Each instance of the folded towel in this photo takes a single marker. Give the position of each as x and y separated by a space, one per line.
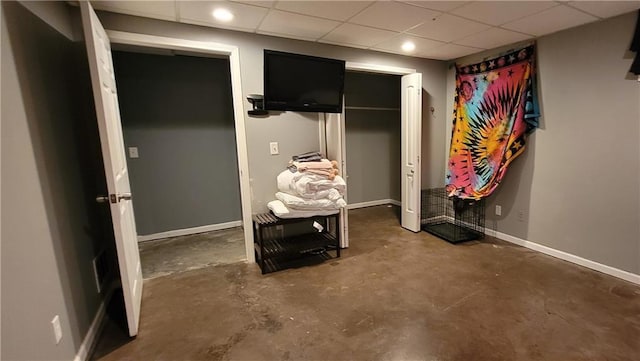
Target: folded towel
280 210
307 157
294 202
309 185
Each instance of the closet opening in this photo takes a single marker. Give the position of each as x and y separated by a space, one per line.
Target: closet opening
179 136
373 140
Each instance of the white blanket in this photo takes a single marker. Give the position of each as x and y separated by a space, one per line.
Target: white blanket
311 186
280 210
294 202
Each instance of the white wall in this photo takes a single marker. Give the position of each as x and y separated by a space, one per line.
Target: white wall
298 132
577 183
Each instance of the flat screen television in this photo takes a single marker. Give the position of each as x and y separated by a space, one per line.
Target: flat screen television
302 83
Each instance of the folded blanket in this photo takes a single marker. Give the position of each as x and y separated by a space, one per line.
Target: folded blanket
324 167
307 157
329 174
280 210
308 185
321 164
294 202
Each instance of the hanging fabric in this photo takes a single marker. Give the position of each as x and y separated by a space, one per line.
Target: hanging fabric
495 109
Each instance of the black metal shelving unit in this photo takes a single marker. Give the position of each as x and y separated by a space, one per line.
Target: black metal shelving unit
276 250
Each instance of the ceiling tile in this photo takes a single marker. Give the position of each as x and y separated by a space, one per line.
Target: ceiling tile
448 28
393 16
438 5
448 52
605 9
492 38
299 26
551 20
394 45
264 4
350 34
500 12
246 17
165 10
337 10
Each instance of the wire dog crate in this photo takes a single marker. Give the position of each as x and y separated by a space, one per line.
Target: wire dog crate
453 219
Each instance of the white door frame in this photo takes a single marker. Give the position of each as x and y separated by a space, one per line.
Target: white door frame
200 47
365 68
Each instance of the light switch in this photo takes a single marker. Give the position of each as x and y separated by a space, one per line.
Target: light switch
273 148
133 152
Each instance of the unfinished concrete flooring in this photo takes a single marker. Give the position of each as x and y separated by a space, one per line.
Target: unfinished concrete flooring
394 295
183 253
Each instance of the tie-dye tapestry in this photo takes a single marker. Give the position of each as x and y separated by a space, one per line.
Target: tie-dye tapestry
495 109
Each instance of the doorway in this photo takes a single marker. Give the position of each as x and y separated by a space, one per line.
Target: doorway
119 197
372 138
333 144
178 127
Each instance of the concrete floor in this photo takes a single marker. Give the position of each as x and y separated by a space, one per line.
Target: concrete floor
394 295
184 253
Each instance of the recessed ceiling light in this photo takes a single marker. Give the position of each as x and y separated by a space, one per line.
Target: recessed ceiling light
408 46
222 14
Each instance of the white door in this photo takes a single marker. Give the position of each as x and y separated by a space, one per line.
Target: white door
411 137
115 165
336 150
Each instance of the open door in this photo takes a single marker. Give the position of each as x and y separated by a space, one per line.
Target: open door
411 139
115 165
336 150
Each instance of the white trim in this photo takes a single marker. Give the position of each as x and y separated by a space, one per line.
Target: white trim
374 68
188 231
159 42
379 202
90 339
627 276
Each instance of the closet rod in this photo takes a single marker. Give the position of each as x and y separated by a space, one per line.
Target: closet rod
369 108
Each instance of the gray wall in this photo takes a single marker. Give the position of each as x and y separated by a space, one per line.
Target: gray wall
298 132
178 111
576 185
372 137
48 238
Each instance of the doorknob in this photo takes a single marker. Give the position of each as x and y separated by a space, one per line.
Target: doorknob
124 196
102 199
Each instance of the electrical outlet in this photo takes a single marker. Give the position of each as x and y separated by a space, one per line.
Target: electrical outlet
133 152
273 148
498 210
57 329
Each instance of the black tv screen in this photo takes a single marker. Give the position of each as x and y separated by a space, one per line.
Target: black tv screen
302 83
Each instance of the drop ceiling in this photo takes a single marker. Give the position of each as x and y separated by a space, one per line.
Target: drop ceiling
441 30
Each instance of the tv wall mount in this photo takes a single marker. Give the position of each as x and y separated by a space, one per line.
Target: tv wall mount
257 100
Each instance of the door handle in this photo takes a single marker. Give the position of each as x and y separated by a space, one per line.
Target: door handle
112 198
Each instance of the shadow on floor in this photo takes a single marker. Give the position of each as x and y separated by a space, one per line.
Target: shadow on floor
115 332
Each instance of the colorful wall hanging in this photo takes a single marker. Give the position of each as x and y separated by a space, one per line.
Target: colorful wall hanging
495 109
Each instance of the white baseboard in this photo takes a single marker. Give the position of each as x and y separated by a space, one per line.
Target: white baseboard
90 339
187 231
373 203
627 276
